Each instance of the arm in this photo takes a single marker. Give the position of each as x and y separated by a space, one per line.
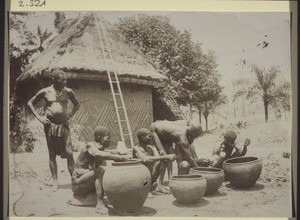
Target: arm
151 159
32 101
102 155
187 152
242 152
157 141
75 102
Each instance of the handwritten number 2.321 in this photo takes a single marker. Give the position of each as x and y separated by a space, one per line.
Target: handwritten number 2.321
32 3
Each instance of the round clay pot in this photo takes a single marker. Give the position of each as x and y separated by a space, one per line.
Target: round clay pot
188 189
242 172
213 176
126 185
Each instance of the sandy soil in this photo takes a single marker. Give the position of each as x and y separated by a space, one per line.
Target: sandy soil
269 197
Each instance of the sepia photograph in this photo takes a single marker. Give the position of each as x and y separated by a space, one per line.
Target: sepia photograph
150 113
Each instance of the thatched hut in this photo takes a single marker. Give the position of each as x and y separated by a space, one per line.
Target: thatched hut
78 51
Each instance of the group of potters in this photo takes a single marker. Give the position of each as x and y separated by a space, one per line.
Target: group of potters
160 145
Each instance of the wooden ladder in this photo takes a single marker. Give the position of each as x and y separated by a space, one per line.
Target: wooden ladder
119 104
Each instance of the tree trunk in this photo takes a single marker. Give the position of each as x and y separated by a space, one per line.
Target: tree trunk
206 113
206 122
200 112
191 112
266 111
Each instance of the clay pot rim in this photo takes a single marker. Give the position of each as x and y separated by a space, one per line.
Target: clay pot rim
187 177
212 170
131 162
228 161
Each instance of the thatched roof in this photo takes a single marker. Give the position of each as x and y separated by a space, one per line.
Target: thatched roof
78 51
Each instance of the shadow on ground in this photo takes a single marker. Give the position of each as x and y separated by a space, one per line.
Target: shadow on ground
255 187
201 203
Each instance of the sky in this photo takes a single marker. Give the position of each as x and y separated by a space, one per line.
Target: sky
233 36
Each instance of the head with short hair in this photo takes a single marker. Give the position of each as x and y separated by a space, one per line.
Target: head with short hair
102 135
59 78
196 129
230 137
144 136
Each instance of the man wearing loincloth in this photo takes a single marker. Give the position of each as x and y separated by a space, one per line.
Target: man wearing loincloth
224 151
55 120
182 133
151 159
89 171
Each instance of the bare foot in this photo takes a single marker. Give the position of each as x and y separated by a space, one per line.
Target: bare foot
101 209
163 190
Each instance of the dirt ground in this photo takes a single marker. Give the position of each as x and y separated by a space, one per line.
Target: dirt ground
269 197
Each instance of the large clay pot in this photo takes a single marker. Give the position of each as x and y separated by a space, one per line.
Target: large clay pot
188 189
242 172
126 185
213 176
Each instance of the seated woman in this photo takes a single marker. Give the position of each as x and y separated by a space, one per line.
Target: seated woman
151 159
225 150
88 172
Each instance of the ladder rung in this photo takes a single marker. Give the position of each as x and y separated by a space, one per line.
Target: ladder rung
114 81
115 93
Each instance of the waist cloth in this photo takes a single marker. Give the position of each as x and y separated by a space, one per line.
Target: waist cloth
58 139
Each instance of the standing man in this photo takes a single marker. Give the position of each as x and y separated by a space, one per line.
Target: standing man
55 120
89 170
225 150
182 133
151 158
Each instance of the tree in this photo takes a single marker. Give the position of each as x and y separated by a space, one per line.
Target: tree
192 75
210 106
23 45
281 97
265 82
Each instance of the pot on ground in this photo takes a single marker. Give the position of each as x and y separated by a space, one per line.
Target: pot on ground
213 176
126 185
188 189
242 172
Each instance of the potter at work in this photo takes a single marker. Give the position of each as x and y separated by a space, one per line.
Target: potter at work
150 157
182 133
88 172
150 113
225 151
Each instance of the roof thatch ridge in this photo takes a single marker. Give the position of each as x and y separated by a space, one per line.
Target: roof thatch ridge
78 47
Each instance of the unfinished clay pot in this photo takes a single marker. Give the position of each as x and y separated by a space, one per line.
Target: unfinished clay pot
188 189
242 172
126 185
213 176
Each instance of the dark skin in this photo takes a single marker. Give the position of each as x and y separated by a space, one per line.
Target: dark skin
180 133
155 163
220 155
88 172
56 99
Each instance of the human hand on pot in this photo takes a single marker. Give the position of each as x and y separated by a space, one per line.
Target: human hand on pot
171 157
126 158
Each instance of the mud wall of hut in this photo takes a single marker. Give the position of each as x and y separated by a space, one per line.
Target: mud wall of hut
97 108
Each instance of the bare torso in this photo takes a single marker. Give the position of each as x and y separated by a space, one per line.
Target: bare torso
171 130
56 105
87 161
